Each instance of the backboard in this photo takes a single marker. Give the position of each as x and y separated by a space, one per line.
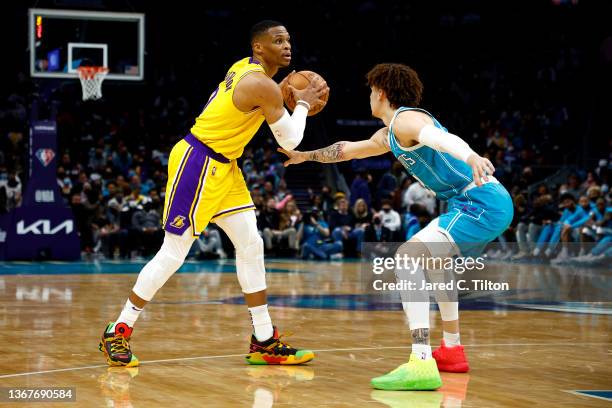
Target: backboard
62 40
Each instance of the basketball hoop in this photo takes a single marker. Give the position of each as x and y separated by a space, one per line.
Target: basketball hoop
91 81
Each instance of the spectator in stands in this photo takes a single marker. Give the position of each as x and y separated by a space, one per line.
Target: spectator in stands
122 159
572 186
572 226
551 231
417 194
282 190
377 232
593 193
106 234
414 220
390 218
598 228
343 227
146 224
327 201
285 235
269 217
313 233
361 214
521 226
208 245
595 221
13 190
82 223
398 195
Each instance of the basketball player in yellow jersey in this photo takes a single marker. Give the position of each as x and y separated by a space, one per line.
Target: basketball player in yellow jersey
205 185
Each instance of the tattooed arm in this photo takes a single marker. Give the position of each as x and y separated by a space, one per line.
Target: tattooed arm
340 151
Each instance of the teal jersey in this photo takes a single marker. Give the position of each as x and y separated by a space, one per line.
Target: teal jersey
439 172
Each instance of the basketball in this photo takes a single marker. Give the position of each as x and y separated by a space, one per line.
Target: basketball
300 80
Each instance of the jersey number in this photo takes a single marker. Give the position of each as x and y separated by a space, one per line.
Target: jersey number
229 80
408 160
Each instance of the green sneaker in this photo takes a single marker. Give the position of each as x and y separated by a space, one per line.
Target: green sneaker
415 375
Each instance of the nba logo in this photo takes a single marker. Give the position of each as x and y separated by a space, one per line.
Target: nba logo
179 222
45 156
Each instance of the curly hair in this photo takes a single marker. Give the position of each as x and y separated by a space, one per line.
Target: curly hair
400 83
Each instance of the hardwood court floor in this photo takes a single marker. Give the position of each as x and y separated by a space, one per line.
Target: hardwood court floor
192 340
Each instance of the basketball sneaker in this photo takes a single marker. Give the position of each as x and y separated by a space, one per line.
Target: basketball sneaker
116 347
274 351
451 359
415 375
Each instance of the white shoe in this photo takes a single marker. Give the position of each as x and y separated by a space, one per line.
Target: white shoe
221 253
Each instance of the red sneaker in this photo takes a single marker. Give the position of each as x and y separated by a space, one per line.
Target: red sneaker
451 359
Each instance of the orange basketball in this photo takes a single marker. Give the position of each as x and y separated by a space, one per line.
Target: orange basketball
300 80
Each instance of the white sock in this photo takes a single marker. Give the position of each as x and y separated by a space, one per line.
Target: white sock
423 351
262 323
451 339
129 314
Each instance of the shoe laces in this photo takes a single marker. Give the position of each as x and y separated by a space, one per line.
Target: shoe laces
282 347
119 345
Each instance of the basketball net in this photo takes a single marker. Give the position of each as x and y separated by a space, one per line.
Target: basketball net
91 81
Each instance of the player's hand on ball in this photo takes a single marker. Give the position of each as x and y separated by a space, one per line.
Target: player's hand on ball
313 92
307 86
282 84
295 157
481 168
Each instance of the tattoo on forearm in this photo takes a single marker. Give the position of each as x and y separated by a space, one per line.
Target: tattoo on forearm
329 154
420 336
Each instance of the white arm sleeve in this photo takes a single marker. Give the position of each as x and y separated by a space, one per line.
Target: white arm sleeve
446 142
289 130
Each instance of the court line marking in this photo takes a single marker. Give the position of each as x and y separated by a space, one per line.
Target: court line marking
582 393
318 351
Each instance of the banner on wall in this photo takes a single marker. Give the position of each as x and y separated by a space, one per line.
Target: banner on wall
43 227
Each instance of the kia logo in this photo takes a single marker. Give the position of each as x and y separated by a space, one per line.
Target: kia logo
43 227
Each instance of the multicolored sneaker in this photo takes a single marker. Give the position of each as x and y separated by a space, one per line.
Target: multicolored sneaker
415 375
451 359
274 351
116 347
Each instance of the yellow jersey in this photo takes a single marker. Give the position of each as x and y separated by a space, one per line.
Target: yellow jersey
223 127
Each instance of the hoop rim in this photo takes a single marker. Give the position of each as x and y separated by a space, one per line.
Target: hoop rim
88 72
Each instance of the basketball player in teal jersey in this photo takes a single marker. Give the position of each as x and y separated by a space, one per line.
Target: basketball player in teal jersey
479 208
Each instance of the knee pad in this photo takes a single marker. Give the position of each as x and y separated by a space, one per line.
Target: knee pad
158 270
242 230
250 265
